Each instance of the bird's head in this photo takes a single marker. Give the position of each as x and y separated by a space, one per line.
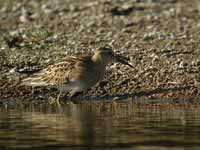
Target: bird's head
107 55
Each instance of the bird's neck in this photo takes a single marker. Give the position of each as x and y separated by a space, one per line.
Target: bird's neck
98 61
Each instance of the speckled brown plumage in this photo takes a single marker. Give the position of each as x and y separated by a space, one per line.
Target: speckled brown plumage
75 74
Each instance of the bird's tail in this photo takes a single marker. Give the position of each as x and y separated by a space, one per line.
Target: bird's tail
36 79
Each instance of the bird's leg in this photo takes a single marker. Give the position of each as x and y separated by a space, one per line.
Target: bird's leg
71 95
58 99
74 94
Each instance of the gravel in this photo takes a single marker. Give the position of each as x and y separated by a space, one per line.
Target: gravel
161 38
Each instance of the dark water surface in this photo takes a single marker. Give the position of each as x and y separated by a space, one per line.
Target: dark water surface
104 125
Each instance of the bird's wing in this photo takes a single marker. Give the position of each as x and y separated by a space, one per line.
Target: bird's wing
56 74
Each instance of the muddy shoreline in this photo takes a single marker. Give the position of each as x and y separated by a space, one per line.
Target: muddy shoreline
161 38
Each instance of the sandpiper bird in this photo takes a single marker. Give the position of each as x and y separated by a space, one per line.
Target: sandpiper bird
75 74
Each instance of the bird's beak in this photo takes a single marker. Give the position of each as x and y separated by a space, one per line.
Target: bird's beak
123 60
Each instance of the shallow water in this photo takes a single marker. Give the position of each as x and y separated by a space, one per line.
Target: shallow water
102 125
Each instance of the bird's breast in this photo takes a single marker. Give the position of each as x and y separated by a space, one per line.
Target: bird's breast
92 77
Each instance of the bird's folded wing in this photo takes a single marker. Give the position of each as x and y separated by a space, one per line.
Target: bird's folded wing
56 74
61 73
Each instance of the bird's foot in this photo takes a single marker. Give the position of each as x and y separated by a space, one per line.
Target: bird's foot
73 97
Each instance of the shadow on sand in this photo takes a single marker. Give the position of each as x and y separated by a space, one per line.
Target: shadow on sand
137 95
